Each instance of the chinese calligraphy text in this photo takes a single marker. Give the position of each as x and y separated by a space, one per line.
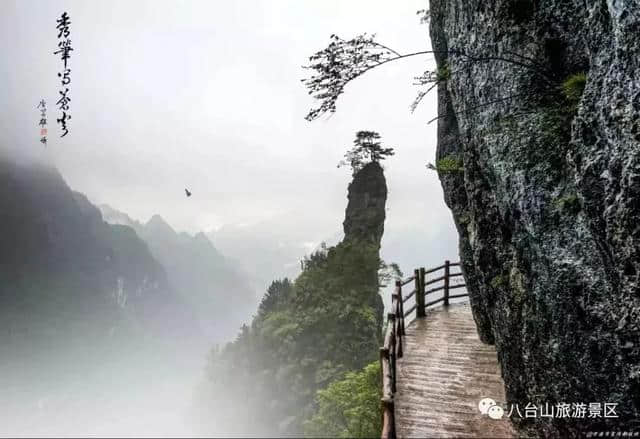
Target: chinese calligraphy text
64 50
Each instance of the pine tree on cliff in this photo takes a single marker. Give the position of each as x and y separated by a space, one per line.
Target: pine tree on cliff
367 149
344 60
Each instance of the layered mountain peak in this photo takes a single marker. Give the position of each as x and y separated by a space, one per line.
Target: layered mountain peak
114 216
200 236
158 224
213 286
63 260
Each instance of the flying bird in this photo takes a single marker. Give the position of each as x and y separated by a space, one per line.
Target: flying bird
186 191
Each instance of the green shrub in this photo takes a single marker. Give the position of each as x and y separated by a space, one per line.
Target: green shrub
573 87
349 407
443 73
568 203
464 218
449 164
498 282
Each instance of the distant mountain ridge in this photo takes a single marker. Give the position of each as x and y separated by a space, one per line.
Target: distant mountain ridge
91 330
269 249
215 288
63 270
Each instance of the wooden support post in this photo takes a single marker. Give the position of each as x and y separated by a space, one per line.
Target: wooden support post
401 302
395 299
386 406
385 371
416 283
446 283
392 351
420 310
388 421
399 337
382 386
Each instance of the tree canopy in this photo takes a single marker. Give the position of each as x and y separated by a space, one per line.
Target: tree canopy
306 335
343 60
349 407
366 149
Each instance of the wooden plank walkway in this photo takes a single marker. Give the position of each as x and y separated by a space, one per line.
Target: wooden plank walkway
443 375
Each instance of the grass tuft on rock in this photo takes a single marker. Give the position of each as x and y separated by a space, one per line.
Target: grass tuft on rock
573 87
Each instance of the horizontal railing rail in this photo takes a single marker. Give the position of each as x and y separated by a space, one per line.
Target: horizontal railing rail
406 281
408 296
392 348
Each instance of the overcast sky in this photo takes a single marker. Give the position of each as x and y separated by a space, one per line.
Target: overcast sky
207 95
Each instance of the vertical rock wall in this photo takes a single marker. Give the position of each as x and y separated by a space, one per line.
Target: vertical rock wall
546 197
364 226
365 213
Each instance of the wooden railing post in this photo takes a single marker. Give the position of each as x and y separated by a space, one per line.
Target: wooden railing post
420 311
446 283
397 331
392 351
401 303
387 409
416 283
384 355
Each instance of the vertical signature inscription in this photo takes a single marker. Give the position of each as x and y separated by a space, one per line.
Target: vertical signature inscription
42 106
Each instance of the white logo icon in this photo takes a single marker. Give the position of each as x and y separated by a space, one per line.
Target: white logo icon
488 406
485 404
495 412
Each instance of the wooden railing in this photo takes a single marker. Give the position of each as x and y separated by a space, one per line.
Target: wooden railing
395 332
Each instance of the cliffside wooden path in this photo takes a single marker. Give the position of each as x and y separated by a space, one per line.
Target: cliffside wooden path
435 370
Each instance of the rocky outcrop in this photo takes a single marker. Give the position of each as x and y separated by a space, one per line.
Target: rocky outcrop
363 229
365 214
543 178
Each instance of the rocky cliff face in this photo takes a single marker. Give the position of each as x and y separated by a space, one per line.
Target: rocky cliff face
365 214
543 179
